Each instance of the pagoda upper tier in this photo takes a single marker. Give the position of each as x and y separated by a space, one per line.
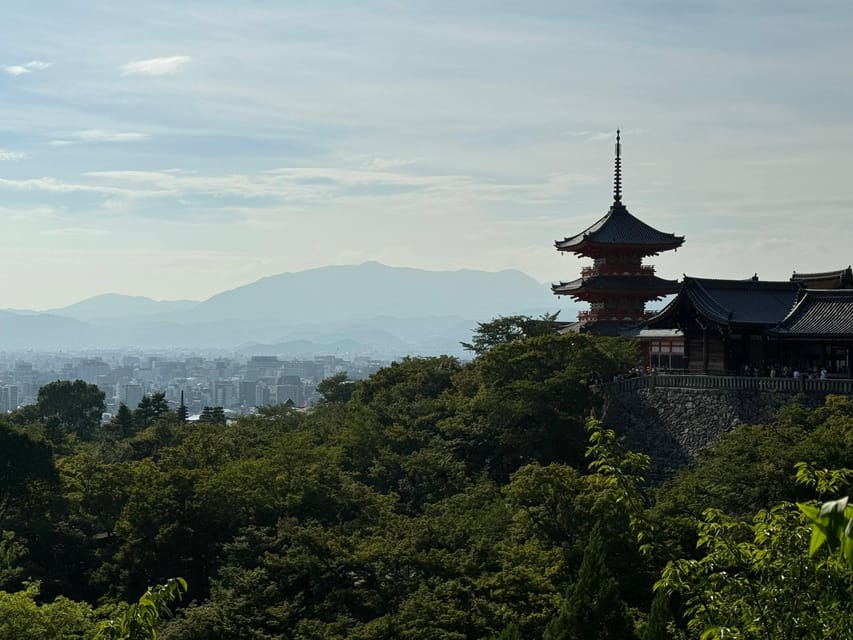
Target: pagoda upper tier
619 231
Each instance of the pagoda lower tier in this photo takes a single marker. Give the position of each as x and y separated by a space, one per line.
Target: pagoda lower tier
614 297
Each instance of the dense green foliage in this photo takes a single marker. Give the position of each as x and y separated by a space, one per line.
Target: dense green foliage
435 500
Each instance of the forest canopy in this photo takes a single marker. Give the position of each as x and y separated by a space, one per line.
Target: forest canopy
435 500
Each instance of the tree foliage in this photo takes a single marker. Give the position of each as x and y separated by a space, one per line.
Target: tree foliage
212 415
508 329
70 407
139 620
436 499
26 470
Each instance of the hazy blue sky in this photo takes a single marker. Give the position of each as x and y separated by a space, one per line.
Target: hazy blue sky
176 149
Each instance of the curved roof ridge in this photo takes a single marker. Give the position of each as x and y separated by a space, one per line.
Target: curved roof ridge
706 300
815 274
799 302
820 312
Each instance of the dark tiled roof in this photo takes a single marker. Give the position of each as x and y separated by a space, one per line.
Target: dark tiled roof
612 328
639 284
841 279
619 227
821 312
731 302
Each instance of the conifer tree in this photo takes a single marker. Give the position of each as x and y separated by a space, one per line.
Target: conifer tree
510 632
659 617
122 424
592 608
151 408
213 415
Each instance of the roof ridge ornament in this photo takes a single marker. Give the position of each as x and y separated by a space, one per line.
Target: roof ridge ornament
617 179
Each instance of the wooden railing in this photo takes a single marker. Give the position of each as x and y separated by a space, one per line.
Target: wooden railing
618 270
736 383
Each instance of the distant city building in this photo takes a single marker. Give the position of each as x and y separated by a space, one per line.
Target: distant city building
8 398
239 385
289 388
90 369
130 394
262 367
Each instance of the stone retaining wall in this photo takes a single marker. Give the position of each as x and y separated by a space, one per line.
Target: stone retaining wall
672 425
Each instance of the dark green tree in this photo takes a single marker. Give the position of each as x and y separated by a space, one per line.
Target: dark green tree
337 388
212 415
510 632
593 607
122 425
660 616
150 409
528 400
509 328
70 407
26 470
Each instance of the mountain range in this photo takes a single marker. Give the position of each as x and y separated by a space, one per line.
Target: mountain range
367 309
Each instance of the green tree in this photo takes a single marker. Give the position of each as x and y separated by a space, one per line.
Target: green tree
26 471
139 620
756 580
593 607
150 409
528 400
122 425
12 552
510 632
509 328
336 388
22 617
70 407
660 618
212 415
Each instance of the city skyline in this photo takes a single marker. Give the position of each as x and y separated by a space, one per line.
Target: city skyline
176 151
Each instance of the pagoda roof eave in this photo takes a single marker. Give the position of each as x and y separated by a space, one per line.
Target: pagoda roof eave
619 228
590 248
646 286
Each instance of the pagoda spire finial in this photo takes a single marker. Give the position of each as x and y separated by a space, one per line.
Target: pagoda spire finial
617 180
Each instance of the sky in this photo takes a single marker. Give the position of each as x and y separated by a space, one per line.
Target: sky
178 149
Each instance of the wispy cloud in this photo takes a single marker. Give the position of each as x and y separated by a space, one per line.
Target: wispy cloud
73 232
11 156
377 163
53 185
27 67
154 66
103 135
29 214
60 143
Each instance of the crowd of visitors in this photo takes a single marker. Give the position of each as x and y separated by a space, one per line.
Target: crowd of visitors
784 371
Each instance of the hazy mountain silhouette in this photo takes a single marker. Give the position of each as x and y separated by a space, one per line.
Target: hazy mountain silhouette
372 289
46 331
116 306
368 308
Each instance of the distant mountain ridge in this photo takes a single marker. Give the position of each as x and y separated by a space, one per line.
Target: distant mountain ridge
371 308
117 305
373 289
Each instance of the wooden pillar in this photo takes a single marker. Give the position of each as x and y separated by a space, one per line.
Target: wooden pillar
705 350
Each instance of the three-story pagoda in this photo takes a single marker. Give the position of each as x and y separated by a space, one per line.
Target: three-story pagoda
618 285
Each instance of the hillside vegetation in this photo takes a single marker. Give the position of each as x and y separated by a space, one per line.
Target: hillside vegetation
434 501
